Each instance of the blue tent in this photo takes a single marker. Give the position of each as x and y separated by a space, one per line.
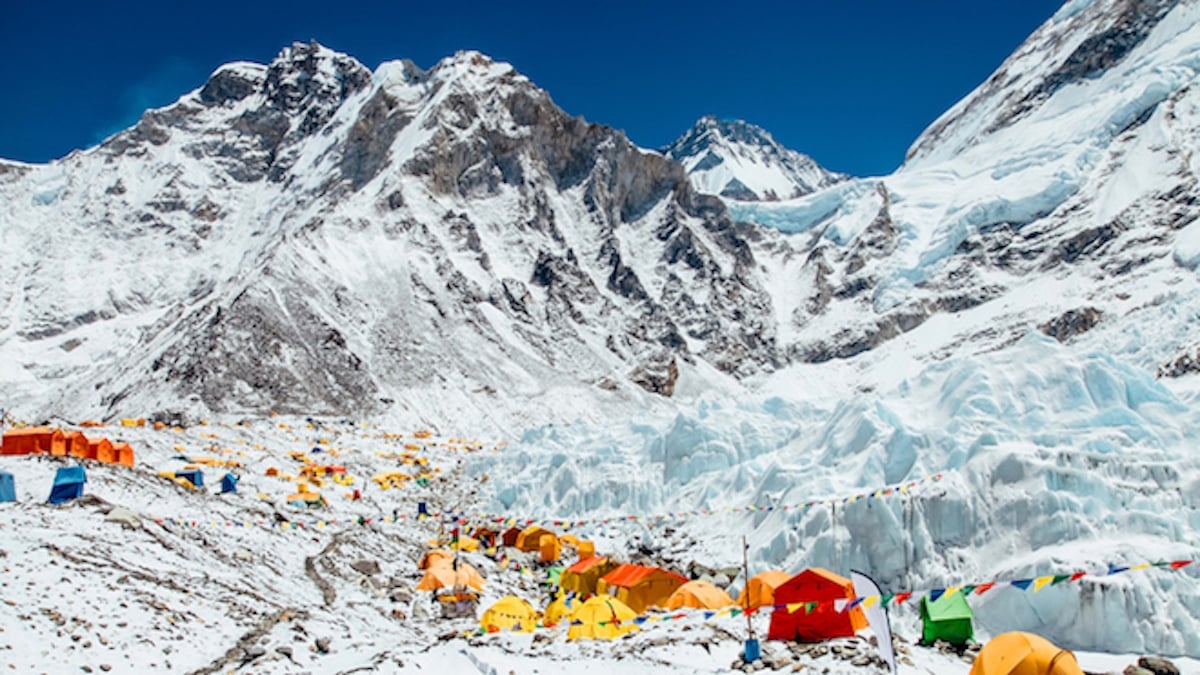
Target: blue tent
8 489
68 484
193 476
229 483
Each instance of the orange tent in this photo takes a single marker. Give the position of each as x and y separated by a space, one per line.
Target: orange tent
76 443
124 453
434 556
1024 654
33 440
823 621
700 595
530 538
583 576
639 586
101 449
587 549
448 574
760 590
549 548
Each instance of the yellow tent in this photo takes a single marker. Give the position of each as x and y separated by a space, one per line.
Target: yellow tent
432 557
1024 654
466 543
601 618
586 549
698 594
760 590
559 609
569 540
510 613
530 538
443 574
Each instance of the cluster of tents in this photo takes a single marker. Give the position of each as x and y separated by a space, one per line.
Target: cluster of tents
57 442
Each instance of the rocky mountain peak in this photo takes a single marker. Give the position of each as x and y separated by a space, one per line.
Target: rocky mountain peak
738 160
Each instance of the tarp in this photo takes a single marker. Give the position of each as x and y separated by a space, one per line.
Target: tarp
530 539
229 483
823 621
68 484
448 574
639 586
601 618
1024 654
124 516
760 589
583 576
8 487
509 613
698 594
948 618
193 476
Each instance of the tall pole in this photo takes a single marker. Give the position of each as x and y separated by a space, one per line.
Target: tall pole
746 592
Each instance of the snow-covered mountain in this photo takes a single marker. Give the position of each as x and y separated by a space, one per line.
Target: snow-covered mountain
1016 307
739 161
309 235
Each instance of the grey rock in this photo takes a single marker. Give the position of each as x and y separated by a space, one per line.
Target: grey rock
1158 666
1135 670
367 567
254 652
322 645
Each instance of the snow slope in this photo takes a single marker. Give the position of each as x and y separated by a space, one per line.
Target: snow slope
739 161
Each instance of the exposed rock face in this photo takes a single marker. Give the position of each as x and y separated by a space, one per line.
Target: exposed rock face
1071 323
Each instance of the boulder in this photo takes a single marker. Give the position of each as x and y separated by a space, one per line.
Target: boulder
1158 666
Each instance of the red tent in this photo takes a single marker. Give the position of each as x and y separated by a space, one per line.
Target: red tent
510 536
824 621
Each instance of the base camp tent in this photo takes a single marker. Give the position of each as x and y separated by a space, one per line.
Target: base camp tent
947 618
8 488
509 538
229 483
560 609
760 590
530 539
700 595
432 556
68 484
193 476
819 621
33 440
450 574
76 444
101 449
124 453
549 548
583 576
601 618
509 613
639 586
1024 654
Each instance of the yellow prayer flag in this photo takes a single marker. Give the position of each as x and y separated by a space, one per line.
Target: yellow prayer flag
951 591
794 606
869 601
1040 582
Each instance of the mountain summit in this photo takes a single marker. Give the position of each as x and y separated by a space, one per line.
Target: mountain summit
738 160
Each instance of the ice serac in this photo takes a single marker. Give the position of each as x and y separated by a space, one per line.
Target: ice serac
312 236
740 161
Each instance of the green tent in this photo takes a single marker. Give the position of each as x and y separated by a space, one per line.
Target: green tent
554 575
947 618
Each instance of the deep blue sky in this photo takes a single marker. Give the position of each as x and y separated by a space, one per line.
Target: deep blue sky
850 83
